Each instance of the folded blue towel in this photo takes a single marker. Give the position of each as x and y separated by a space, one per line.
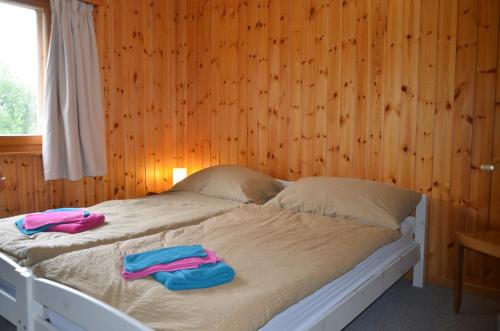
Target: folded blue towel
139 261
20 225
206 275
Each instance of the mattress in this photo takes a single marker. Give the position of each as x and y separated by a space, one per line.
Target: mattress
301 314
274 252
306 311
125 219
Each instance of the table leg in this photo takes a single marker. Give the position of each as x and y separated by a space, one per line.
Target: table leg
458 277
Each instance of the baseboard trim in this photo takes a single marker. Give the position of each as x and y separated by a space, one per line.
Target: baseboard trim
468 287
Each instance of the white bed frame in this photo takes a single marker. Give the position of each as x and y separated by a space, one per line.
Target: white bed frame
15 303
35 300
91 314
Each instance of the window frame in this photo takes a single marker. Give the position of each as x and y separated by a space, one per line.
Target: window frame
32 144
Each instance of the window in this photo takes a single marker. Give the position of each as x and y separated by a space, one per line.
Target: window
24 38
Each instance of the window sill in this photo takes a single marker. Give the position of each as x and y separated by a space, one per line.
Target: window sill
21 145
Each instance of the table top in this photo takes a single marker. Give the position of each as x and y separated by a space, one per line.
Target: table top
487 242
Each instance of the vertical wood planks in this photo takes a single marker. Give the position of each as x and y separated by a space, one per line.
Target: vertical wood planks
392 91
426 106
10 196
348 87
363 105
409 92
483 120
253 24
205 83
404 91
169 118
309 15
273 87
492 267
495 178
465 73
214 81
284 105
137 100
191 89
443 122
261 80
375 116
484 104
232 81
160 100
117 80
333 89
321 35
150 63
242 70
294 136
426 95
25 175
224 63
130 29
181 80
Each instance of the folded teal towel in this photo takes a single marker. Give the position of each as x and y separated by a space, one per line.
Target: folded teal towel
206 275
139 261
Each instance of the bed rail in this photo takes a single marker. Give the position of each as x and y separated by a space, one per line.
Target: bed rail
8 279
79 308
15 286
421 239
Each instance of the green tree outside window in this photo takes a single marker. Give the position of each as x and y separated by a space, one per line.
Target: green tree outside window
17 105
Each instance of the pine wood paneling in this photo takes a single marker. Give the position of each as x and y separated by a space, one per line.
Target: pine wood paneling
443 122
347 88
375 115
139 63
262 84
284 103
397 91
363 77
409 93
405 92
309 13
392 91
242 68
482 132
296 35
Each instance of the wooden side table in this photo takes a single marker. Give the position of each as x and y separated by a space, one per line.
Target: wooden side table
487 242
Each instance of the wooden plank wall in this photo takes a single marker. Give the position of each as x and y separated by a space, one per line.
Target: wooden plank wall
142 53
401 91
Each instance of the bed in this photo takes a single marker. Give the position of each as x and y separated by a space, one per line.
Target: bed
125 219
330 306
209 192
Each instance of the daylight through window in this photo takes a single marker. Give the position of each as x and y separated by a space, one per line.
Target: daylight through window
22 65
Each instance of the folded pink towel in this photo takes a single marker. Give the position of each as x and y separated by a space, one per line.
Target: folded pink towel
187 263
33 221
84 224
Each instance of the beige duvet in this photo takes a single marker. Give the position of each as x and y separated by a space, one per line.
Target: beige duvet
125 219
279 257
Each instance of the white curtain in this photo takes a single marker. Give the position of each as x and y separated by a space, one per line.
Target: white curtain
74 128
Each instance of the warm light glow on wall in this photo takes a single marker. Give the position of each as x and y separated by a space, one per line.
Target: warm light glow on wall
179 174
